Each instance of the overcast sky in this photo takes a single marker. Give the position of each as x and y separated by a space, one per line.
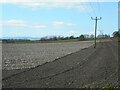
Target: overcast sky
38 19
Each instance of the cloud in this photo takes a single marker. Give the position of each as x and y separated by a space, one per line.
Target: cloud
58 24
15 23
21 24
83 8
38 1
71 24
62 24
35 25
74 32
77 5
49 4
38 26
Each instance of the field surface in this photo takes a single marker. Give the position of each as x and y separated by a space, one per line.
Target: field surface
89 67
27 55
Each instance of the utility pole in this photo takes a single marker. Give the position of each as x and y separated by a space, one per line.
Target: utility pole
96 19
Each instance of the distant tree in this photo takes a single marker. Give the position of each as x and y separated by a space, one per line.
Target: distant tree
106 36
71 37
99 36
55 38
77 37
82 38
86 35
91 36
60 37
66 38
42 39
116 34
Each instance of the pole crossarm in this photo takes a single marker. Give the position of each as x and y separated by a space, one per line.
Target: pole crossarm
96 18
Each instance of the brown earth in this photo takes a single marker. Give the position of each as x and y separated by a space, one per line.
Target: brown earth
89 67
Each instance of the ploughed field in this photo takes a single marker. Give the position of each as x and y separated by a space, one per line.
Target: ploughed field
28 55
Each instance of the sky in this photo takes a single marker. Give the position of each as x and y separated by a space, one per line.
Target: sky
20 18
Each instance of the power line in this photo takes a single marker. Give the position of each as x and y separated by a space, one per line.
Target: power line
88 12
99 9
100 13
94 12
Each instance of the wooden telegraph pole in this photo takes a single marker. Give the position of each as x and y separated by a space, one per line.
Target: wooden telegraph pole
96 19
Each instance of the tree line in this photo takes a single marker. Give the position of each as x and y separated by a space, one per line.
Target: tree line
81 37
